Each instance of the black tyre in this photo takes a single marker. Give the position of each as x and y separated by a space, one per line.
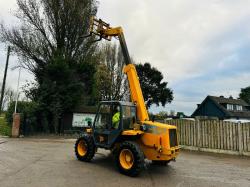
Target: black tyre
160 162
85 148
129 158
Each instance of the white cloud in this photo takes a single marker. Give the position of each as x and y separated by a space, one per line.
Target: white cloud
188 40
8 8
173 35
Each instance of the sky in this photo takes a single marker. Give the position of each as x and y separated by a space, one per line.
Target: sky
201 47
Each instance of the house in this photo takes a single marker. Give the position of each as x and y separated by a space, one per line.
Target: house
223 108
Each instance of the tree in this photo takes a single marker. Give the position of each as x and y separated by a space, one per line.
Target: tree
163 113
50 29
172 113
111 82
245 94
50 43
154 90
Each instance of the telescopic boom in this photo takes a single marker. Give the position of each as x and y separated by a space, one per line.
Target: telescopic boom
104 31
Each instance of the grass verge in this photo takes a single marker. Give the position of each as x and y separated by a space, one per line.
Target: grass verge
5 129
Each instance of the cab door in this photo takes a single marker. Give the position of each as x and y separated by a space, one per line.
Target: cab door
104 132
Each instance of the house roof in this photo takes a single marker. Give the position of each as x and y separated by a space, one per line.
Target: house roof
219 101
232 113
239 114
223 100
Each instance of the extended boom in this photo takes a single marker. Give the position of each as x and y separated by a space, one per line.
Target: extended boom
103 30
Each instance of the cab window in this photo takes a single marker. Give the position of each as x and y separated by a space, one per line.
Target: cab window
103 118
128 116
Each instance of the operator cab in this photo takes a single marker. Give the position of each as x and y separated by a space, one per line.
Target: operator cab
111 119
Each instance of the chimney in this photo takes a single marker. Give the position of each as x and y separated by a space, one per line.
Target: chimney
198 105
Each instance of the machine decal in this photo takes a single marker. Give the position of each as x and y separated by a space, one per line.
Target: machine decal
155 129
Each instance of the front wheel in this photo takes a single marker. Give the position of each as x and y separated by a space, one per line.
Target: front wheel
85 148
129 158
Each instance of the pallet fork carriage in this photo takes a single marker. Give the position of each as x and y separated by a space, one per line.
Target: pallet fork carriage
134 138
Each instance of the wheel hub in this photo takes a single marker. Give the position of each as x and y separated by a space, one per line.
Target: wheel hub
126 159
82 148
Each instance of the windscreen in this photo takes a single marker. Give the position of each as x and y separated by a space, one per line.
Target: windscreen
104 117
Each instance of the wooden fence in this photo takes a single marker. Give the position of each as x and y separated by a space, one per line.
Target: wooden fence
213 135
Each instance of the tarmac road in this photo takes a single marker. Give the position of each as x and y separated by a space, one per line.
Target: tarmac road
51 162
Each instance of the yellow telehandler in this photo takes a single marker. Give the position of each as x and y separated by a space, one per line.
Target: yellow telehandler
124 127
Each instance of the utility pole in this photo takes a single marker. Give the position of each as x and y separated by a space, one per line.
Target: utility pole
4 78
17 89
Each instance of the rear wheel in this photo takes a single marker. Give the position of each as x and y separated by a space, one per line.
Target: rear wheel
85 148
129 158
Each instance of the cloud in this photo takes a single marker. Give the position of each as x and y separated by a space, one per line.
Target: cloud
198 45
8 9
201 47
173 35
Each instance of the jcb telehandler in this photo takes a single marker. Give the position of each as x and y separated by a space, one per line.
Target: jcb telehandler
133 137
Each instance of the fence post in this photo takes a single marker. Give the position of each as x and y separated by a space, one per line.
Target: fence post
197 124
240 138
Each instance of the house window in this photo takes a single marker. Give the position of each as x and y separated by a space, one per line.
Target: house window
239 107
230 107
